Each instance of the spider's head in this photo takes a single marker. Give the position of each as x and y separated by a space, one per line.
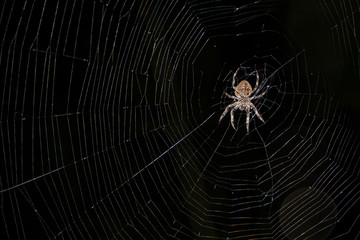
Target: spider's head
244 88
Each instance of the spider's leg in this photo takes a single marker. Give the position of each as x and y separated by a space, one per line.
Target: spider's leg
238 91
229 96
232 117
233 82
258 96
226 110
257 81
257 113
247 121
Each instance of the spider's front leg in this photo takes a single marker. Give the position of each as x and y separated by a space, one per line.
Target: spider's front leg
247 121
226 110
232 118
256 112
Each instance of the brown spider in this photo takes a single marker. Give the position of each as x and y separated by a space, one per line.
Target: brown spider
242 100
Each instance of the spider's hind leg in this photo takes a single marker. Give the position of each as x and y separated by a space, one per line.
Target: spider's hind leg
257 81
233 82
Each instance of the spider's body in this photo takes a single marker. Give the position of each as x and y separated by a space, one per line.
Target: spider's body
242 100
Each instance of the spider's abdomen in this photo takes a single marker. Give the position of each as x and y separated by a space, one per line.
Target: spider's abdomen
244 88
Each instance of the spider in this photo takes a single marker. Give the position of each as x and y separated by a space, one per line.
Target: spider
242 100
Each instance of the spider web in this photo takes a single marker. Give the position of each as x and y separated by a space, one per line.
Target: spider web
110 127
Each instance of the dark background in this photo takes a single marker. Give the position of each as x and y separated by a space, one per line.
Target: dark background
110 120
